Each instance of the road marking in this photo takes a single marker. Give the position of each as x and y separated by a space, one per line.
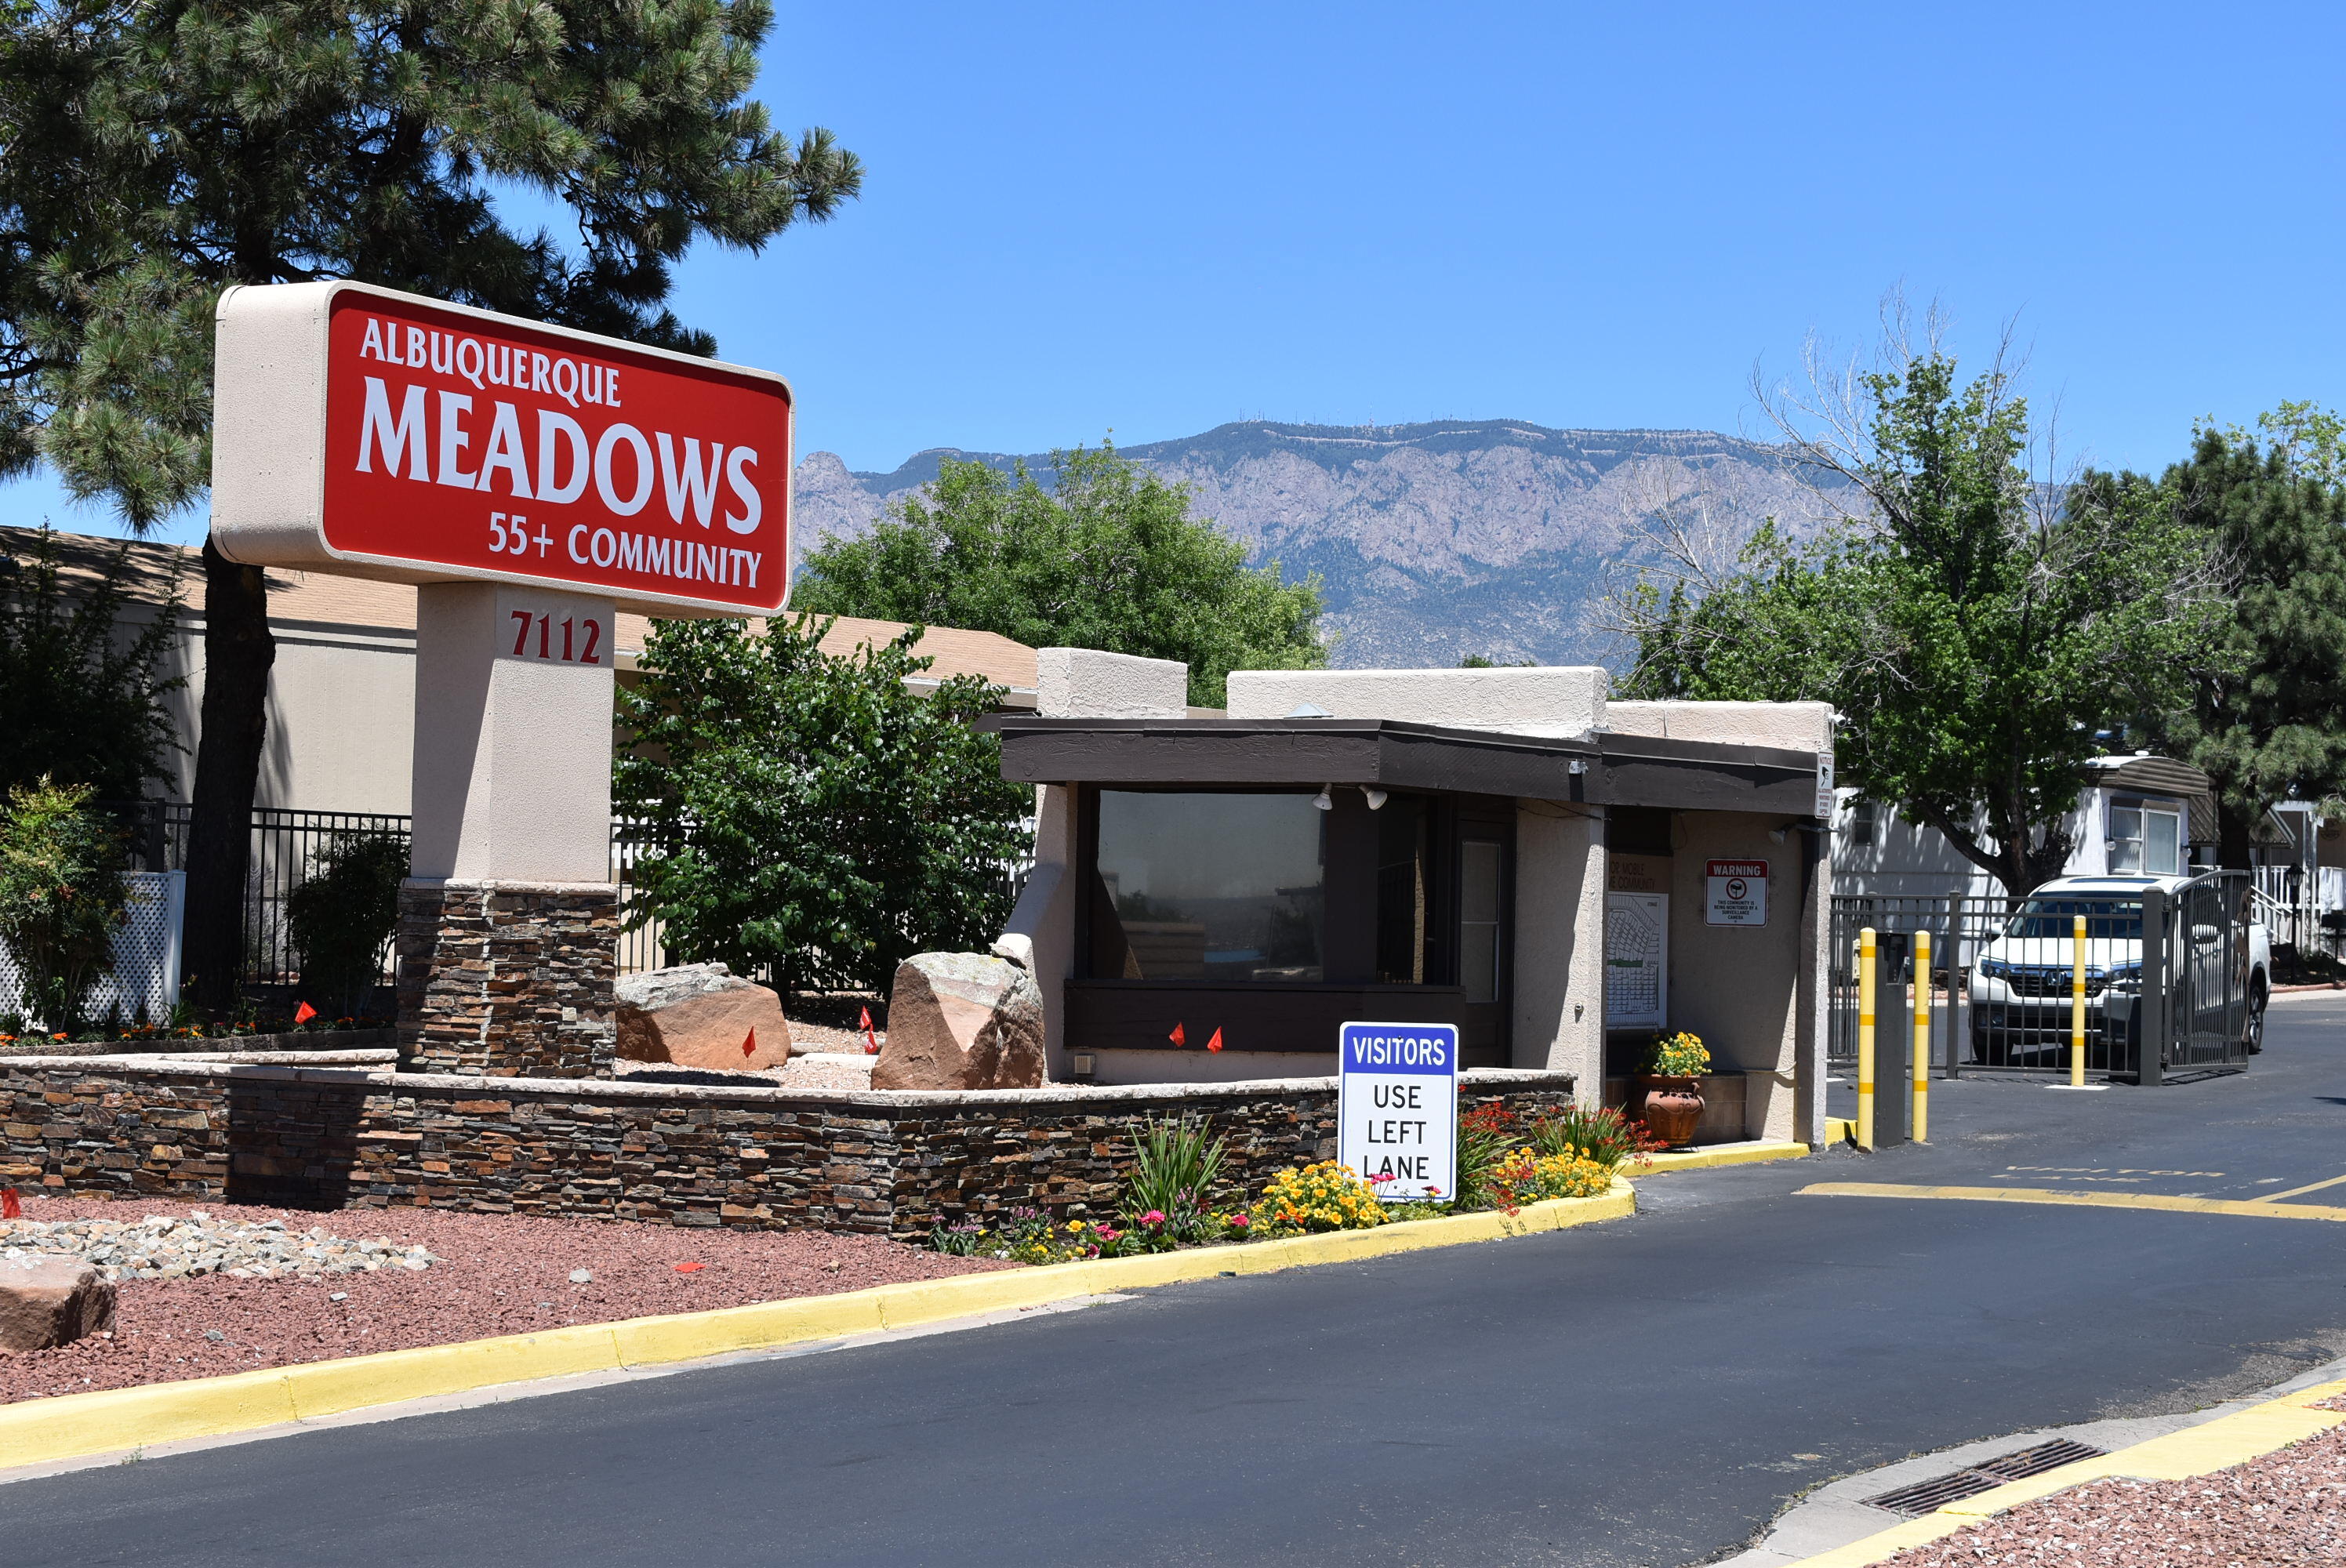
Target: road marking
2310 1186
2260 1207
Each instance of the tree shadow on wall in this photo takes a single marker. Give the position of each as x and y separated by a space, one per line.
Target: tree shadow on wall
293 1146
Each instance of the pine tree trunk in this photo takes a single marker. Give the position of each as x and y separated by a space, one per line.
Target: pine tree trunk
2234 830
239 650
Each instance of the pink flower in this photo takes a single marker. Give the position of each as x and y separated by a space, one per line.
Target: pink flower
1154 1216
1240 1221
1432 1192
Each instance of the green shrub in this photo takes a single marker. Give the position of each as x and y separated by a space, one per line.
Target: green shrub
1599 1133
1173 1162
62 896
340 917
1487 1136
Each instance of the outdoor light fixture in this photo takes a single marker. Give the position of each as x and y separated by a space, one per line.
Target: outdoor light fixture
1377 798
1082 1065
1325 802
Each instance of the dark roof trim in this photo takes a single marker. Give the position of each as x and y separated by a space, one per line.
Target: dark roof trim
1600 769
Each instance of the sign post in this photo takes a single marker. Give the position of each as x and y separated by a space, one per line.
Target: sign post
1397 1107
532 483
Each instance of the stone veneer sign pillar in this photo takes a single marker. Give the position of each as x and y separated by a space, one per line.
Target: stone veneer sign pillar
532 482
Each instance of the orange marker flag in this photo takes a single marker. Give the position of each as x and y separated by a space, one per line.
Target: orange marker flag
871 1041
1216 1042
303 1013
11 1207
1179 1037
749 1041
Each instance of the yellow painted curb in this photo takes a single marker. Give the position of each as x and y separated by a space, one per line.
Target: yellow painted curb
2202 1450
67 1426
1717 1155
2257 1208
1840 1130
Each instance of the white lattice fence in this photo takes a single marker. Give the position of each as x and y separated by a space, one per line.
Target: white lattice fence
145 955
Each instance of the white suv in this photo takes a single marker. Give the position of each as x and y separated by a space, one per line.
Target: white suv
2020 985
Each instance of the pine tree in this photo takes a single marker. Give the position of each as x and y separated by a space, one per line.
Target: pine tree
2273 716
152 154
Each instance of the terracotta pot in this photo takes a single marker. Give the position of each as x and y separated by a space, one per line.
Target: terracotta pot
1672 1107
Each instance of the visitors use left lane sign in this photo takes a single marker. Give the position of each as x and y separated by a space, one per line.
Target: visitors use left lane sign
1397 1107
370 432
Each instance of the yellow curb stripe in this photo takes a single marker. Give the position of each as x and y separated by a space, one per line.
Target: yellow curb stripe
2202 1450
67 1426
2256 1208
2298 1191
1718 1155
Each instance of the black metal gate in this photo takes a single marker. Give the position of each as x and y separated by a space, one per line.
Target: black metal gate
2199 1016
2166 985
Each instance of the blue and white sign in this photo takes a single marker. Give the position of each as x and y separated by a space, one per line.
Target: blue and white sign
1397 1107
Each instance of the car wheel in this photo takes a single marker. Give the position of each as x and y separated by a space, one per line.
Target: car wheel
2256 1037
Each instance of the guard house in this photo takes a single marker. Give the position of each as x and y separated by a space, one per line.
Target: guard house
1560 875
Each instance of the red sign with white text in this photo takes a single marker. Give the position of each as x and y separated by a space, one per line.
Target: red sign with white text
488 447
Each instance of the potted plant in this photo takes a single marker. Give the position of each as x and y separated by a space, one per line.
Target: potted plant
1672 1083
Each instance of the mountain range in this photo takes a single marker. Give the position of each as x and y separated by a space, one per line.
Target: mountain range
1433 541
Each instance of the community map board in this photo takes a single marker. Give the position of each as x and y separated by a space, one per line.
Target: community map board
1397 1107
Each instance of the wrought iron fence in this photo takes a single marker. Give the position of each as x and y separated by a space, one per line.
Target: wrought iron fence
285 845
2198 1012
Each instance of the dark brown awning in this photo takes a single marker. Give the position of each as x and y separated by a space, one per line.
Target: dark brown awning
1599 768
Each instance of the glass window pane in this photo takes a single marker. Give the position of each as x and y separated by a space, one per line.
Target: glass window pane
1478 905
1404 879
2163 846
1209 887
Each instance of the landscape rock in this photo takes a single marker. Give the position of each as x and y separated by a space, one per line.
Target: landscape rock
962 1020
48 1299
697 1015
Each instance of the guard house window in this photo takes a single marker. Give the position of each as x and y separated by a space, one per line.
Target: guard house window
1479 864
2145 836
1220 887
1860 822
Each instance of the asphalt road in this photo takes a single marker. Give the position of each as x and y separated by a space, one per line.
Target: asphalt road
1649 1392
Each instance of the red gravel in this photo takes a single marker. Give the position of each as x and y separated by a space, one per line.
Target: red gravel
2285 1508
501 1273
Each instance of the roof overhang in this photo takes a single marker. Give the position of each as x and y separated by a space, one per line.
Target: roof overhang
1599 768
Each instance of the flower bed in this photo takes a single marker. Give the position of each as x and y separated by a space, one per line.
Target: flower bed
1504 1160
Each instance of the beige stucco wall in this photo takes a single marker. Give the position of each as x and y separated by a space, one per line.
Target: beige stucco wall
1738 987
1559 968
1563 701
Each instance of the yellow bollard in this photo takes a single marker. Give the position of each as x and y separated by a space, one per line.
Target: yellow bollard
1922 1036
1865 956
2077 1006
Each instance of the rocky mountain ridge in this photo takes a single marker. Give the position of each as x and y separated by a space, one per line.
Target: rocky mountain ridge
1435 540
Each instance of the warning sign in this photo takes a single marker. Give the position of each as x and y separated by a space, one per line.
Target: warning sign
1734 892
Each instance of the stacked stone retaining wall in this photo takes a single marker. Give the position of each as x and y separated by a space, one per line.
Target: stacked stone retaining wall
361 1135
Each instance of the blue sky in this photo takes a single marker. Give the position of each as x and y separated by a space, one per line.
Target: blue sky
1155 220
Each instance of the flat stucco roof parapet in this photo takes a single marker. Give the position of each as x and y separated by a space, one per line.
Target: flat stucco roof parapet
1793 726
1557 701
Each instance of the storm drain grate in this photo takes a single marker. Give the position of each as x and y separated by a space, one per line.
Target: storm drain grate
1925 1496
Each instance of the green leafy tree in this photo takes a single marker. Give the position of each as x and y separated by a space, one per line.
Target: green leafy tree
62 896
153 155
2270 716
1973 631
812 813
1108 558
342 916
75 703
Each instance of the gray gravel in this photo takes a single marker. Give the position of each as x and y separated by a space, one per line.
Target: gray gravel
167 1246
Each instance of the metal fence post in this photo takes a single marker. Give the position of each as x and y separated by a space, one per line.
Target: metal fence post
2156 986
1958 993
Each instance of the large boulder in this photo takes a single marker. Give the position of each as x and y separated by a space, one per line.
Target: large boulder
700 1015
50 1298
962 1020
